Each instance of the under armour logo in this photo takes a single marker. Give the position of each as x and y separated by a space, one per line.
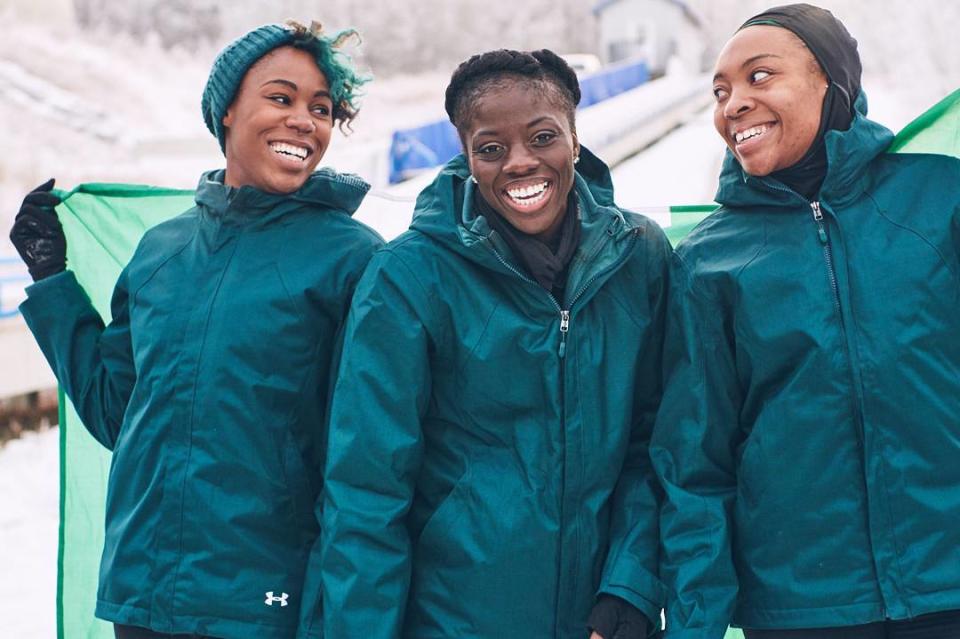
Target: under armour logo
270 598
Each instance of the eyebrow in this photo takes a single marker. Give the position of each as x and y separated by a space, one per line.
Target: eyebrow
288 83
748 62
531 123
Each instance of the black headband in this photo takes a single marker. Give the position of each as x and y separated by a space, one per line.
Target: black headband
828 40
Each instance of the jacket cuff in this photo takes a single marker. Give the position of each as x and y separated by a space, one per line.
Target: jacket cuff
54 281
639 587
52 297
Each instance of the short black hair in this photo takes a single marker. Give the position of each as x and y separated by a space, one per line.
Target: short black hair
495 69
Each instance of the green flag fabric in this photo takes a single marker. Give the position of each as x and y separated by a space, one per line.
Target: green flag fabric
936 131
104 222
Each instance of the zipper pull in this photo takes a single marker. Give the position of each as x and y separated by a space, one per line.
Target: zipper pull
564 329
818 217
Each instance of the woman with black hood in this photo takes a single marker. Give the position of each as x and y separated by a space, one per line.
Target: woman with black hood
809 433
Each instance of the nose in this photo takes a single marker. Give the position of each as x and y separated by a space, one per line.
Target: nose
301 122
520 160
739 102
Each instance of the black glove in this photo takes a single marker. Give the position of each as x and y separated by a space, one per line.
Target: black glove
614 618
37 234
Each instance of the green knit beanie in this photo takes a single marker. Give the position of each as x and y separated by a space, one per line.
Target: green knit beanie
237 57
229 68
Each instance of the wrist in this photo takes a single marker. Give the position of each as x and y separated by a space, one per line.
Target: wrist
42 271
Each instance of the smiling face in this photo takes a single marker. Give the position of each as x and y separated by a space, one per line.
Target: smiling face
279 125
521 147
769 90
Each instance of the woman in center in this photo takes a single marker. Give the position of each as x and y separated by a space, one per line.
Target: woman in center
487 471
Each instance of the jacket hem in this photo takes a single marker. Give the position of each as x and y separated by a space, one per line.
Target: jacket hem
790 619
761 619
130 615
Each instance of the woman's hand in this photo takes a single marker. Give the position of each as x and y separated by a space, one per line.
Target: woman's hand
37 234
614 618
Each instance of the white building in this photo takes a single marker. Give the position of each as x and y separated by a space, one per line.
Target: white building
659 32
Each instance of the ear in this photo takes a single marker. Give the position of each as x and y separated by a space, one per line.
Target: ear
228 118
465 151
576 143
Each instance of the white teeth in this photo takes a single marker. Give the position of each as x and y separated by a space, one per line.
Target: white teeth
289 149
749 133
527 191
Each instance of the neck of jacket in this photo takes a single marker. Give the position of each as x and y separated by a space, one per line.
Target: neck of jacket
247 205
849 153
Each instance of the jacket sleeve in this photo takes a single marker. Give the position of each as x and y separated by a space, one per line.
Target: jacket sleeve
355 262
374 454
693 452
630 571
93 363
955 228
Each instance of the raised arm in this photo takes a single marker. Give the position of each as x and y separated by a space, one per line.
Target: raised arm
92 362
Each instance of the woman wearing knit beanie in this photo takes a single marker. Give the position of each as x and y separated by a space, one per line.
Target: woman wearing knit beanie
210 383
809 433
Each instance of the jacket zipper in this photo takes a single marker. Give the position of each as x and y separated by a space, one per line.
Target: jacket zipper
565 312
828 258
564 329
857 412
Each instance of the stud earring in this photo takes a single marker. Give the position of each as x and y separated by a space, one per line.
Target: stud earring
473 179
576 159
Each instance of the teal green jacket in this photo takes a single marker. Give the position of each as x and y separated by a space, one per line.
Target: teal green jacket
487 472
210 386
809 436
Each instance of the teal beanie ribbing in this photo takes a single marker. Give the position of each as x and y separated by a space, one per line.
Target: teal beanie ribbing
229 68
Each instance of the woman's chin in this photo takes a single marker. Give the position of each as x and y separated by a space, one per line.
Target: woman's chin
755 168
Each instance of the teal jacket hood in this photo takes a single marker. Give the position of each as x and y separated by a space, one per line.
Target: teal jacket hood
848 154
444 212
324 189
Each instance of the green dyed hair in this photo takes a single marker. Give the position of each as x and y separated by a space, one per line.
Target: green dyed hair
344 80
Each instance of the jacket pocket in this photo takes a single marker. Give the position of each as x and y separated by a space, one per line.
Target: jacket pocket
437 535
751 482
297 477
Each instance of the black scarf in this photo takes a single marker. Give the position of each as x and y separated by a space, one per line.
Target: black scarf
546 264
836 52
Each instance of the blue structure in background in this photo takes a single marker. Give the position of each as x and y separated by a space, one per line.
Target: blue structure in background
423 147
412 150
17 280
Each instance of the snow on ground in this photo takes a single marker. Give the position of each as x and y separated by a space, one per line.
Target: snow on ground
29 520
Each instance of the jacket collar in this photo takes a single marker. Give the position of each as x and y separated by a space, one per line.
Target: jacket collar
324 189
848 155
